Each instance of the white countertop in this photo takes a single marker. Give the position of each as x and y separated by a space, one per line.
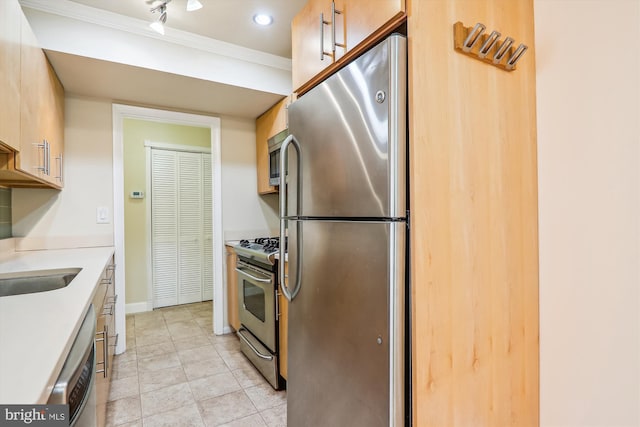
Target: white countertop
37 330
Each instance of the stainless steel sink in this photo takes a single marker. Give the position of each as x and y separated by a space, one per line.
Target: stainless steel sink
29 282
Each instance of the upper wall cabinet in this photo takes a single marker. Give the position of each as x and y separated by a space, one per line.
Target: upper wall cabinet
33 153
10 13
271 122
330 32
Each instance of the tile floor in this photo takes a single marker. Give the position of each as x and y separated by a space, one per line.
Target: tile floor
175 372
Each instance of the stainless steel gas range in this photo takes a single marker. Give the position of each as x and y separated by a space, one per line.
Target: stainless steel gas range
258 301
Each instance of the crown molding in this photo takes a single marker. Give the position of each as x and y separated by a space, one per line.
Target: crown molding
92 15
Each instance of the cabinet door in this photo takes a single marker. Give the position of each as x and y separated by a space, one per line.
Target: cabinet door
310 38
10 14
271 122
30 158
232 289
365 17
54 130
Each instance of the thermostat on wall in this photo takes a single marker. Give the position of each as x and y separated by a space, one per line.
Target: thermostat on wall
136 195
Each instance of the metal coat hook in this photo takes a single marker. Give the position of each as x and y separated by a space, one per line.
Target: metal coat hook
487 48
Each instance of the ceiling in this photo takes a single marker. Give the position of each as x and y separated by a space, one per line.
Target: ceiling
226 20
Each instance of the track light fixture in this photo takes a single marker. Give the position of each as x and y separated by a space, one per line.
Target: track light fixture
160 6
193 5
158 25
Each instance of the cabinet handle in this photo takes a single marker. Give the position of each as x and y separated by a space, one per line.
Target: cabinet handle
322 24
105 351
42 168
334 12
107 310
48 158
60 173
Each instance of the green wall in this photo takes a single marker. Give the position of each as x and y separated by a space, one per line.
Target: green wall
5 213
135 133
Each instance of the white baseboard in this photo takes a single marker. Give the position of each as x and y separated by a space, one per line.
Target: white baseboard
137 307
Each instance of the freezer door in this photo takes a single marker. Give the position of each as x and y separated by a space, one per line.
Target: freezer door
346 329
351 130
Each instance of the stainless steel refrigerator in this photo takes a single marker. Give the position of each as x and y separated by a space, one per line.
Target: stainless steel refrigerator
344 208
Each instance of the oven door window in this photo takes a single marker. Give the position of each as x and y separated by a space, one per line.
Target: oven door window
254 299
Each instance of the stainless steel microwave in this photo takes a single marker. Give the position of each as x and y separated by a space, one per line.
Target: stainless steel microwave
274 156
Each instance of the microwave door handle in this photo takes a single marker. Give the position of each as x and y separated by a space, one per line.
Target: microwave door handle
283 213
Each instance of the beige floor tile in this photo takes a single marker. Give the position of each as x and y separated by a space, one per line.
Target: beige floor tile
124 369
191 342
136 423
184 328
275 417
198 354
195 370
155 349
264 396
123 410
156 363
166 399
154 380
125 387
205 323
202 314
155 330
223 409
185 416
177 316
248 377
131 342
254 420
157 338
129 355
213 386
210 376
199 307
148 319
234 359
228 342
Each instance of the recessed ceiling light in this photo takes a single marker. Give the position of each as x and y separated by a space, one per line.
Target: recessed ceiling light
262 19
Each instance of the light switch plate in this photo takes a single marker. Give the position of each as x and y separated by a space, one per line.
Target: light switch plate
102 215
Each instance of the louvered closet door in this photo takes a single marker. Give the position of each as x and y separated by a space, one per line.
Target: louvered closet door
164 227
207 197
190 230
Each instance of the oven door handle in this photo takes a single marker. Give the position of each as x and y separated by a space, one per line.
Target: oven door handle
255 350
257 279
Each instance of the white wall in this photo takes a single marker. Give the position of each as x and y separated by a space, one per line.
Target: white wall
68 217
244 213
49 218
588 84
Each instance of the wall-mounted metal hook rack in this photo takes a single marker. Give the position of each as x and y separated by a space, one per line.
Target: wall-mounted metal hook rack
487 48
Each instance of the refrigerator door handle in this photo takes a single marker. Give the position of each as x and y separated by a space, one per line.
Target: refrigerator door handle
283 213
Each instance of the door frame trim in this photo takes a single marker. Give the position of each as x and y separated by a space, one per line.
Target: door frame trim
119 113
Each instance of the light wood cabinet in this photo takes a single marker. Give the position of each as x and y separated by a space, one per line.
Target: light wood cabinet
355 26
474 238
104 303
271 122
35 158
283 327
232 288
10 36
